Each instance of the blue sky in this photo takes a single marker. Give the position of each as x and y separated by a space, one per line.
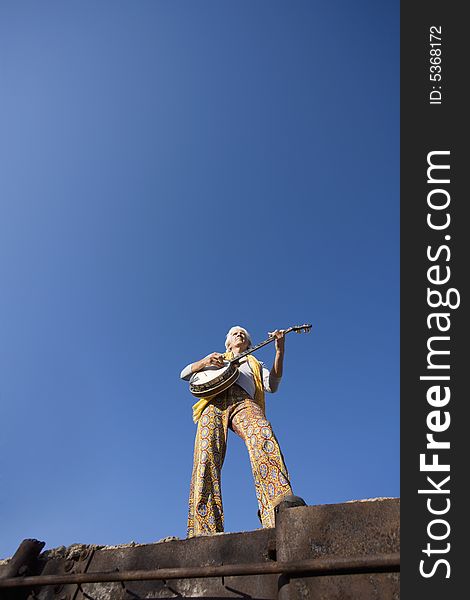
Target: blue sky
170 169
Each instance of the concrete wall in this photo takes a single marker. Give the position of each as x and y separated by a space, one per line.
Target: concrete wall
336 530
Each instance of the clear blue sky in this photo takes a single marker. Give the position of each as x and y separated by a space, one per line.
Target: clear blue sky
169 169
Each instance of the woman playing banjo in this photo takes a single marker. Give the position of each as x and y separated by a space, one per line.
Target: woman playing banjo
240 407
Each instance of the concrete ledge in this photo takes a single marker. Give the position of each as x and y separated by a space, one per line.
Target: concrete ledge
341 530
336 530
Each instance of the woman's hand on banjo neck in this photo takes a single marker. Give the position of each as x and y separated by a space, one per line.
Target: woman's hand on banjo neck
279 336
211 360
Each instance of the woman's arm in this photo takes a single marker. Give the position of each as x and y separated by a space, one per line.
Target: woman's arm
277 368
211 360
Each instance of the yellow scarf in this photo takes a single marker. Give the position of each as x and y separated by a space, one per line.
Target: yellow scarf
257 371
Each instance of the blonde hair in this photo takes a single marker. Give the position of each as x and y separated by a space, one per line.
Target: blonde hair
230 331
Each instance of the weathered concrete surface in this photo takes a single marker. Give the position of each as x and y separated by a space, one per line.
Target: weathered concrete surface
346 530
340 530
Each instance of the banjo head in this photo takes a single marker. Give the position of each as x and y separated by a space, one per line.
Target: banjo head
213 380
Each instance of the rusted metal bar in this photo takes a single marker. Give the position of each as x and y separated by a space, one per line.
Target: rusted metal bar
23 558
379 563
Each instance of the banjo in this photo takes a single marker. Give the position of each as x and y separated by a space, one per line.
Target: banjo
211 381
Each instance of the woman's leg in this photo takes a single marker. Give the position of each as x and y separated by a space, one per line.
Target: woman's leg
205 496
267 463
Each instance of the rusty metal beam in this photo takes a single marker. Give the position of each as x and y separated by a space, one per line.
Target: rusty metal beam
379 563
23 558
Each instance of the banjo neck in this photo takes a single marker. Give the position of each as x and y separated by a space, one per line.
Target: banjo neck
208 382
297 328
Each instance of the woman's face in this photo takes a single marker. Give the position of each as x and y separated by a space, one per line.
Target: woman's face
238 339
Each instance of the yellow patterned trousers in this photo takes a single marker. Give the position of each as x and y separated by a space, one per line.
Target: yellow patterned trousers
234 409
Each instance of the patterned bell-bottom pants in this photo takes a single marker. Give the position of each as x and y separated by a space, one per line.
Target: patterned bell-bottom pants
234 409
